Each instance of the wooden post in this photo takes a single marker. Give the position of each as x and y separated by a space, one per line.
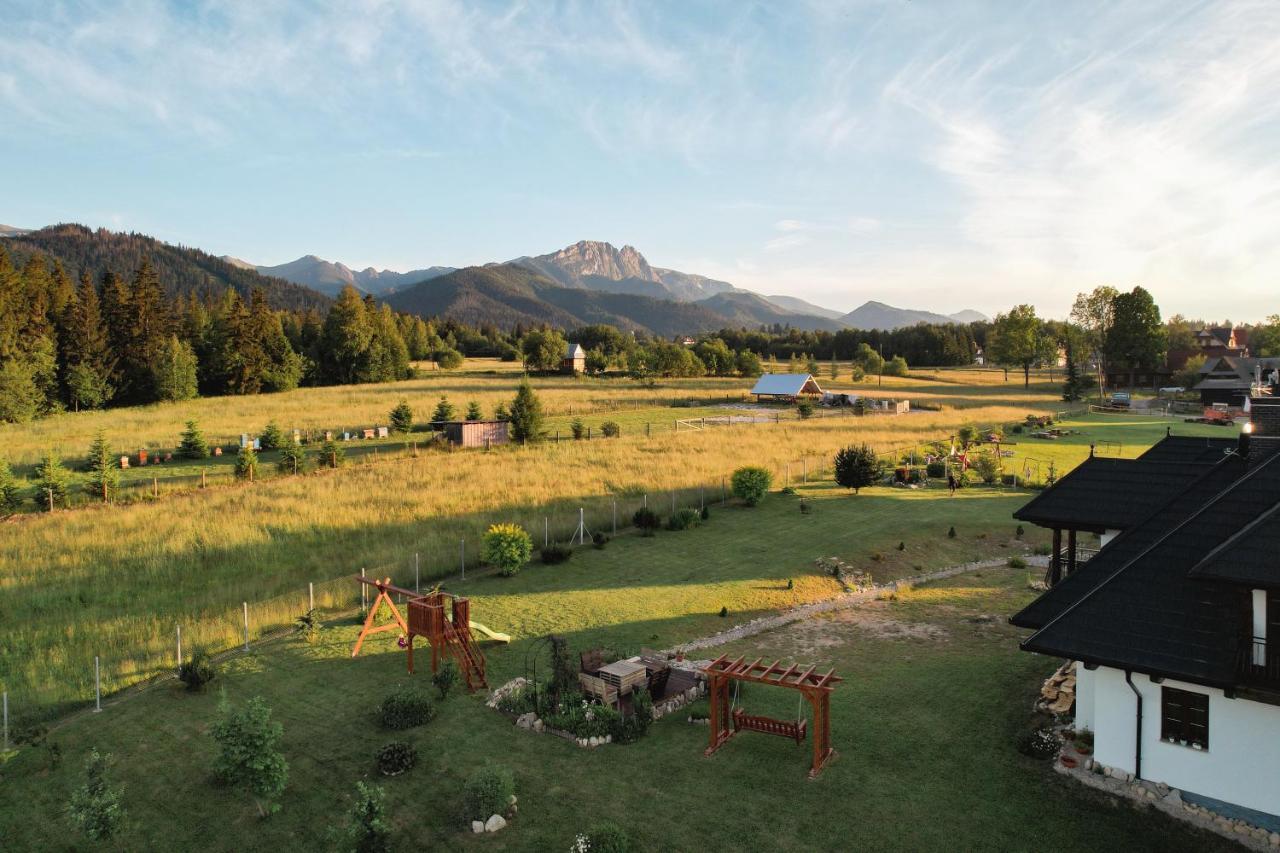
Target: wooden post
364 593
805 461
546 531
416 587
50 500
724 493
179 650
1055 563
155 487
246 626
6 721
97 686
615 516
462 556
203 482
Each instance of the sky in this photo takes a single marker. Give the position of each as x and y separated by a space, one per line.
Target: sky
936 155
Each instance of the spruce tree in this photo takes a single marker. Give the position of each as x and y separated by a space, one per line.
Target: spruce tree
193 445
444 411
52 482
345 339
273 437
116 322
473 411
857 467
149 334
401 417
293 460
526 414
174 371
104 471
10 494
331 454
87 351
366 829
247 463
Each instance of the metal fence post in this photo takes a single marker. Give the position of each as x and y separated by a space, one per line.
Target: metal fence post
462 556
97 685
6 721
311 595
615 516
546 531
179 651
246 626
364 593
415 572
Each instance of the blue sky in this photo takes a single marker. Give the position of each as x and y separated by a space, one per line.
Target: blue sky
928 154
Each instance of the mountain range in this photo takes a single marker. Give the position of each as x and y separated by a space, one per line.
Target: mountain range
588 282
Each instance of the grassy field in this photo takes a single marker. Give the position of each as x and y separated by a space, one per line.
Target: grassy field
935 694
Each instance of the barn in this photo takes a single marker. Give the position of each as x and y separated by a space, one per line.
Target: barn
476 433
785 386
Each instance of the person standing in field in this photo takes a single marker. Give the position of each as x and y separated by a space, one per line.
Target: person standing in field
951 482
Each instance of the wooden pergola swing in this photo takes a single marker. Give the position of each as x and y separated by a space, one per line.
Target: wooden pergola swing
448 631
727 720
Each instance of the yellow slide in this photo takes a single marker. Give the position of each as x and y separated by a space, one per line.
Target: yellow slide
486 632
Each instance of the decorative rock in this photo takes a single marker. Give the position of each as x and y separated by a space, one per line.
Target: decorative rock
477 826
538 725
494 823
525 721
511 800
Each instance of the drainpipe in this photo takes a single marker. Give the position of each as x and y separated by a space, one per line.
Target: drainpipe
1137 758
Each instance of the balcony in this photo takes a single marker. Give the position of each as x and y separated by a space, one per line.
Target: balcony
1258 662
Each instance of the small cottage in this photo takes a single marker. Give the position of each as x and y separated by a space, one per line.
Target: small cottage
575 360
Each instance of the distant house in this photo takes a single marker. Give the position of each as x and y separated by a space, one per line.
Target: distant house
785 386
1222 341
476 433
1174 626
687 341
1229 380
575 359
979 357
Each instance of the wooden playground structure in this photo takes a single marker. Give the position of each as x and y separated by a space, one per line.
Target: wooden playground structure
444 619
727 720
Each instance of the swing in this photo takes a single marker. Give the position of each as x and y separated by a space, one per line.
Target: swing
795 730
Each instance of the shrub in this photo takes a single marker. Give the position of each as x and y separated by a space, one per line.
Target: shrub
857 467
406 707
724 612
193 445
396 757
606 838
366 829
805 509
936 470
249 756
95 806
599 540
331 454
198 671
1039 743
272 437
902 546
706 512
1020 532
448 359
578 428
445 678
1043 550
951 534
10 495
308 625
896 366
610 429
805 410
555 553
646 520
507 546
401 417
487 792
1017 563
292 459
246 463
684 519
751 483
986 467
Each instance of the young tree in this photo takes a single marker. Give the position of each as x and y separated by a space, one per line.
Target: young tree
10 498
751 483
1137 338
20 397
52 481
174 371
192 445
444 411
95 807
448 359
1018 338
835 367
331 454
247 463
273 437
366 829
104 471
293 460
857 467
473 411
508 547
86 387
401 417
526 414
249 754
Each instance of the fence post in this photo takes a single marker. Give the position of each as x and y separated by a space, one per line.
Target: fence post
646 500
364 593
646 429
673 501
97 686
615 516
546 531
415 572
6 721
724 494
179 651
462 556
203 483
805 462
246 626
311 595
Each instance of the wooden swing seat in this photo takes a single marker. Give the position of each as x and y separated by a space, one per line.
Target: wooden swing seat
793 730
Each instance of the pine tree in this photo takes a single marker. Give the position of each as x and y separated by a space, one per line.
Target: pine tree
104 472
331 454
473 411
526 414
444 411
174 371
401 417
345 339
52 481
87 350
857 467
10 494
193 445
272 437
148 338
247 463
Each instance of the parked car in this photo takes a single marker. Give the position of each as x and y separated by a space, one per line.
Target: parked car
1120 400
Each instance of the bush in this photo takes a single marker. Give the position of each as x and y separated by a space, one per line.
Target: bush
309 626
95 806
198 671
610 429
249 756
246 463
805 410
193 445
951 534
578 428
896 366
684 519
448 359
401 417
445 678
331 454
272 437
1017 563
936 470
857 467
406 707
646 520
366 829
396 757
724 612
555 553
1020 532
599 540
292 459
507 546
751 484
986 467
706 512
605 838
487 792
1039 743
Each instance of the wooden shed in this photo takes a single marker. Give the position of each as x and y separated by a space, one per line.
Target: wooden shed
476 433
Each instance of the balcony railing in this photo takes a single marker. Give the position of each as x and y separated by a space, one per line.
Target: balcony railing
1259 662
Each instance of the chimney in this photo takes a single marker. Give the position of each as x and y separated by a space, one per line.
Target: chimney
1242 448
1264 416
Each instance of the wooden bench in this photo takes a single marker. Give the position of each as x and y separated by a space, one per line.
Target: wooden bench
598 688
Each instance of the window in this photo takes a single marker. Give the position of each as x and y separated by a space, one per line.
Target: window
1184 717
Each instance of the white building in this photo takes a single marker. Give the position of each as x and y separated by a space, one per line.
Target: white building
1175 628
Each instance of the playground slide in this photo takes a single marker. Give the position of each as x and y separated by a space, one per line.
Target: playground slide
490 634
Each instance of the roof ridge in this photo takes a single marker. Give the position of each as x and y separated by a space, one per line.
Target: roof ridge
1249 475
1235 537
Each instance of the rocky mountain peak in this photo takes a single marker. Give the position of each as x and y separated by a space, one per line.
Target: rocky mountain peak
594 257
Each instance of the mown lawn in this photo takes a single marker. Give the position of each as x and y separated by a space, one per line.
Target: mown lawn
935 693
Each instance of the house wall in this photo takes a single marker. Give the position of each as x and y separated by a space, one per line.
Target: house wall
1244 742
1106 537
1084 697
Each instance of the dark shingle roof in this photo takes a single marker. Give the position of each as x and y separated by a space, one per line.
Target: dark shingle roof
1249 557
1148 613
1188 448
1105 493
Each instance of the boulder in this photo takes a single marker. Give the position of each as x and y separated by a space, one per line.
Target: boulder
494 823
477 826
526 721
